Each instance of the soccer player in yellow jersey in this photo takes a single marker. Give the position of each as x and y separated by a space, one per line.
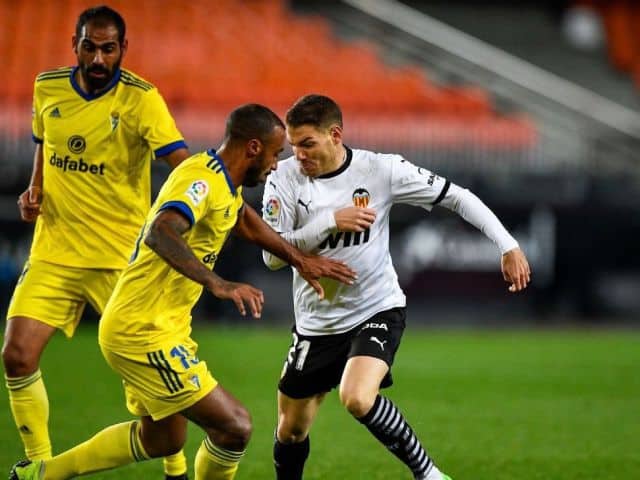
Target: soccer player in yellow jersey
145 332
96 128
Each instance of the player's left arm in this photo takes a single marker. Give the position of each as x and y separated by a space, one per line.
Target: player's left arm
158 128
418 186
514 264
176 157
251 227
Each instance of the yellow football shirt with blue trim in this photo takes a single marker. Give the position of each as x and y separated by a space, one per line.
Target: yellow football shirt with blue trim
152 302
96 174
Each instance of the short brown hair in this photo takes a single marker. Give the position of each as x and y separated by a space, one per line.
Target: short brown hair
317 110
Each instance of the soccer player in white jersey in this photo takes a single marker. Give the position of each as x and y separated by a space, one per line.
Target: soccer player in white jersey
335 201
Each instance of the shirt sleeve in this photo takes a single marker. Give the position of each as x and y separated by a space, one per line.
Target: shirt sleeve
278 206
157 126
278 211
188 191
415 185
474 211
37 127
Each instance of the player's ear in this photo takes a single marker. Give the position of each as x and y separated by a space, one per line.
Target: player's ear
124 47
74 44
254 147
336 134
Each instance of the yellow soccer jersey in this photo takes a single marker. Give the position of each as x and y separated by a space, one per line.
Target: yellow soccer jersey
152 302
96 152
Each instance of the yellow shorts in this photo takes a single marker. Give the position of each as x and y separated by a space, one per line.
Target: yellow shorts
57 294
162 382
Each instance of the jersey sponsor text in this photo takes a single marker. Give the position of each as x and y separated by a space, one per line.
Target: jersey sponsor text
66 163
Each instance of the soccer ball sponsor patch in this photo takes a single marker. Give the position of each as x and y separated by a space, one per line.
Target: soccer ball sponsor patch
272 210
197 191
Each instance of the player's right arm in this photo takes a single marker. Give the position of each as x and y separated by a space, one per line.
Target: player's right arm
278 206
30 200
164 237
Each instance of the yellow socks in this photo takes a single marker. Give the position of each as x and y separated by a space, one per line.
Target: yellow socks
112 447
30 407
216 463
175 465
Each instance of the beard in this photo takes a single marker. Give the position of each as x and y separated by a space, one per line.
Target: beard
253 177
98 83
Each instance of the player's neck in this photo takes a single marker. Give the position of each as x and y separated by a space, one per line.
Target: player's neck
233 167
337 161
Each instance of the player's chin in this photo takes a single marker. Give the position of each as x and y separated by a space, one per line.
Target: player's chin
308 171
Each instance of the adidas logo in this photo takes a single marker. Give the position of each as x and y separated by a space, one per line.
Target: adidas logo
115 119
55 113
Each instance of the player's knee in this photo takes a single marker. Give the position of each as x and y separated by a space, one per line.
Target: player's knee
17 360
237 432
243 428
357 403
291 433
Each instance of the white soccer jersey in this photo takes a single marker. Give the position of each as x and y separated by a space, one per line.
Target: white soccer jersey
368 179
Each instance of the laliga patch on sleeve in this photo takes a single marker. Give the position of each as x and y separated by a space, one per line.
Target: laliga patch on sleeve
272 210
197 191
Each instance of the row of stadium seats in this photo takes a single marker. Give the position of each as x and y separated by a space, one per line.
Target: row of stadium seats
215 55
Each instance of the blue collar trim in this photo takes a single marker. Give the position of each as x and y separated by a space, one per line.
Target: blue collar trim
89 96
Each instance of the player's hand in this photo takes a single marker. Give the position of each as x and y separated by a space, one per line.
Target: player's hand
242 294
515 270
354 219
29 203
312 267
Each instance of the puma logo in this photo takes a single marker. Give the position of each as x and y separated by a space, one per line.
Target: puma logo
381 343
305 205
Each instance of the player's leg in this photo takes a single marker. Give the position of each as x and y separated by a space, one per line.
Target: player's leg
291 447
313 367
24 342
173 380
372 353
227 424
47 297
113 447
98 286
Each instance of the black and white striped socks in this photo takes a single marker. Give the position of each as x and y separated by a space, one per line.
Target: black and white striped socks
387 424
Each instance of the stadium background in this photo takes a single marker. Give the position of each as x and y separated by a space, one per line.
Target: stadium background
534 107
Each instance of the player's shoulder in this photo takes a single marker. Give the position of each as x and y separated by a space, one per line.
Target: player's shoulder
197 161
53 82
360 155
202 164
369 164
54 75
135 82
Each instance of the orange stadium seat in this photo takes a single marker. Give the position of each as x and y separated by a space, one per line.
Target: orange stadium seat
211 56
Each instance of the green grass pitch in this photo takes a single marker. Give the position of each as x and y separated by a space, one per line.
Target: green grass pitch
488 405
